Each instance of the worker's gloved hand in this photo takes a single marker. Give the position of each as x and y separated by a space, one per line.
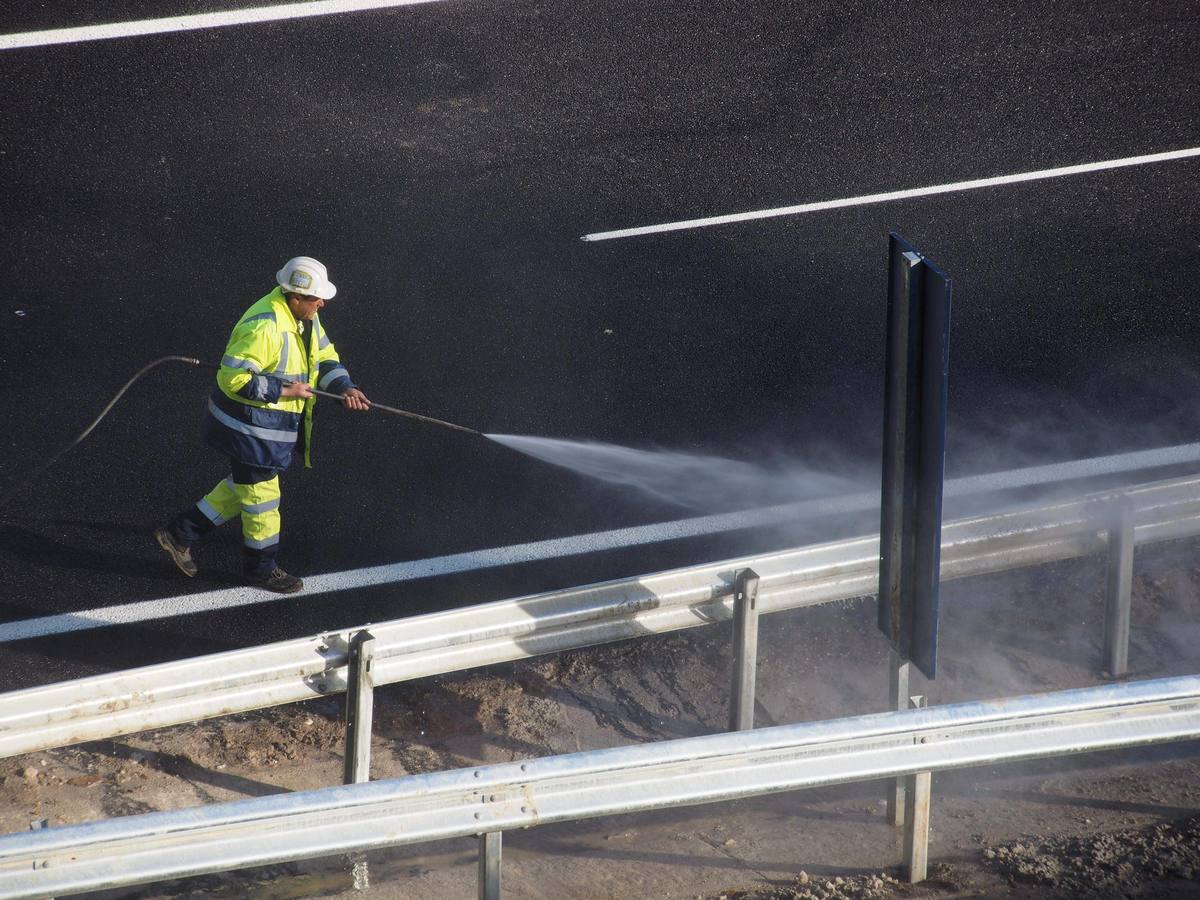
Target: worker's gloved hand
355 399
295 389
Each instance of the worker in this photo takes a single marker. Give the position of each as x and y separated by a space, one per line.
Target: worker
260 413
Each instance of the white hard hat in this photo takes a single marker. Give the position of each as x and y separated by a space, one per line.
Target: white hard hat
304 275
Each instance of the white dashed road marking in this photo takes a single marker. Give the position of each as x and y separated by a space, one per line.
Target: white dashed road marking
909 193
195 22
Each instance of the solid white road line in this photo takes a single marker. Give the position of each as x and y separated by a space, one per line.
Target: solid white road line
896 195
149 610
195 22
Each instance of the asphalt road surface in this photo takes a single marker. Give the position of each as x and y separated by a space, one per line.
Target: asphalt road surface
445 159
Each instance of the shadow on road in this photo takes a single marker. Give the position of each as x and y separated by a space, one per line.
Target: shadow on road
40 550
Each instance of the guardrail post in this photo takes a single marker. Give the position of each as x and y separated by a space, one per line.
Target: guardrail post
916 817
38 825
360 697
489 865
745 649
897 699
1120 589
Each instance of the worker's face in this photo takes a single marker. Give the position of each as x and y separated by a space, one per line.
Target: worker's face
304 307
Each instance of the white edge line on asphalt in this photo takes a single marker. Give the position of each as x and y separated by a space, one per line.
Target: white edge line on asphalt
867 199
195 22
208 601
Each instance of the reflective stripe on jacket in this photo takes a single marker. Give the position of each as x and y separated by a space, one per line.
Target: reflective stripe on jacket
248 420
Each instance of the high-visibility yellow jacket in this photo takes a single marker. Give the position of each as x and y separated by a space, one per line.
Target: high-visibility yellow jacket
248 420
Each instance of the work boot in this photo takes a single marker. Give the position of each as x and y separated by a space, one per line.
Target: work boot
180 554
277 580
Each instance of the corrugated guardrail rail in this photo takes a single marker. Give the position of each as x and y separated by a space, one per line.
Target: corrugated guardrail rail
418 808
172 693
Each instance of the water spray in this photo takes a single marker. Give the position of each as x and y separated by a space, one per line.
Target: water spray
692 481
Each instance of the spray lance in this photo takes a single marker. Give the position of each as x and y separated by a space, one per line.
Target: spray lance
387 409
13 490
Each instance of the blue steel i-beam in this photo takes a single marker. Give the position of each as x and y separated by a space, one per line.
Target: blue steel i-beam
914 452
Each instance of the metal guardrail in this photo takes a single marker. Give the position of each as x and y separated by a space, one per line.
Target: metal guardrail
172 693
492 799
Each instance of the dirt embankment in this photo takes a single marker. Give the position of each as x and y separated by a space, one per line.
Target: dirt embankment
1160 861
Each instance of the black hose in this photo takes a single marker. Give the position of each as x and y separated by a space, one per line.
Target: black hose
15 489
